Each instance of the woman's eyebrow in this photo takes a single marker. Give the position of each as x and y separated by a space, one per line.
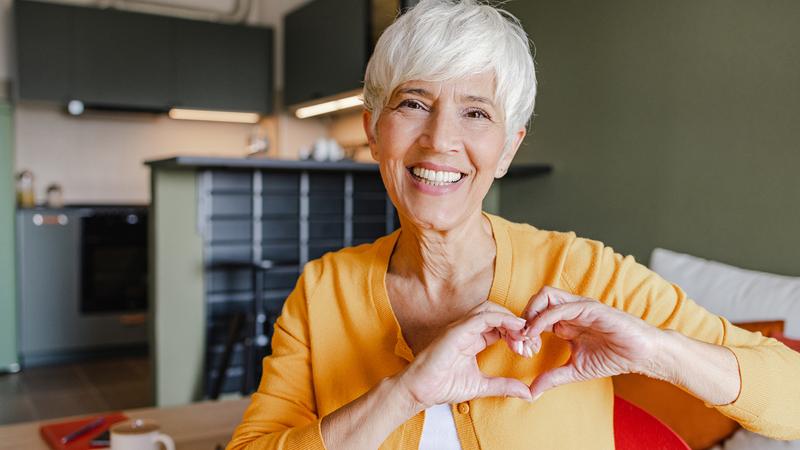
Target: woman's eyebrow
424 93
416 91
478 99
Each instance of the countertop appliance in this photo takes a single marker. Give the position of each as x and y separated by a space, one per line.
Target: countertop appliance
82 277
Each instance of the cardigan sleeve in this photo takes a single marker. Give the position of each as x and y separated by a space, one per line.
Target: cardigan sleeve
282 412
769 399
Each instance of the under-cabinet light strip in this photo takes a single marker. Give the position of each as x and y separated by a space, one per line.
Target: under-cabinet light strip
213 116
331 106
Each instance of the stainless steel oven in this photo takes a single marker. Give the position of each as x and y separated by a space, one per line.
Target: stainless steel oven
82 277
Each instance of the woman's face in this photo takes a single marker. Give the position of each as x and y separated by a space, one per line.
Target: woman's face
439 146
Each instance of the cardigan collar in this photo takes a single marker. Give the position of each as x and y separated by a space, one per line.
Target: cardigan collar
380 266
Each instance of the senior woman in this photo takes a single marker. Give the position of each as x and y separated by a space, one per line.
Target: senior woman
463 330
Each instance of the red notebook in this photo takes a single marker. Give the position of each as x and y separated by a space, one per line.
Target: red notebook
53 432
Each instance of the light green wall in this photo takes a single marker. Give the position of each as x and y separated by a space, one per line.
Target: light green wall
8 313
177 302
669 123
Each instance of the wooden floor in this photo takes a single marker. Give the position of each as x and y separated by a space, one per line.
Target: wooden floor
85 387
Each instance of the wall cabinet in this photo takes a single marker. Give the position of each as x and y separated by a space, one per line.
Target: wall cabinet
235 60
44 45
123 60
120 58
328 44
326 47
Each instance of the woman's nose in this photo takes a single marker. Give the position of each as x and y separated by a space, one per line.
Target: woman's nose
441 132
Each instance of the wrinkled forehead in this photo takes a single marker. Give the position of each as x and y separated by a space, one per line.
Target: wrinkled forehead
482 84
476 88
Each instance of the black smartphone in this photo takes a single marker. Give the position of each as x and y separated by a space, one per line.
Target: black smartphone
101 440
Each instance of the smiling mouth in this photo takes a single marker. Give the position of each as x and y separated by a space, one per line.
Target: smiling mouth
435 177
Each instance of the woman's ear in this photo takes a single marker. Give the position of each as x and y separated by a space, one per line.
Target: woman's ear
366 118
509 153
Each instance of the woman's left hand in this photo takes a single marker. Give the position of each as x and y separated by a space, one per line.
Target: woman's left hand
604 341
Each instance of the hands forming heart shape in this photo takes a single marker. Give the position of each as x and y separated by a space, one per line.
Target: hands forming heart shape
603 342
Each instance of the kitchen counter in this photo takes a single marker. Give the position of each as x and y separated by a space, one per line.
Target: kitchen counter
202 162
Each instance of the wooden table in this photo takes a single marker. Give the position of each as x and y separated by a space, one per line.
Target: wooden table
197 426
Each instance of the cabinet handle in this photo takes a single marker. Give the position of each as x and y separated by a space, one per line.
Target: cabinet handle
60 219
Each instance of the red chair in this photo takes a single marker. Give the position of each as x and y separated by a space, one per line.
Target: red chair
636 429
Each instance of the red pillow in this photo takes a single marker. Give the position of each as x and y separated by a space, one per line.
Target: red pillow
793 344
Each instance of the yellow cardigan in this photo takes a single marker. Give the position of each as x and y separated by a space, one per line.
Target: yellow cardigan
337 337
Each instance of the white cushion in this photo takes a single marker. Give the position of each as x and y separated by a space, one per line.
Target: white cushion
739 295
747 440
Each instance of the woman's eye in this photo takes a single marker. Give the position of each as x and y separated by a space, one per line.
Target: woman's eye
413 104
477 114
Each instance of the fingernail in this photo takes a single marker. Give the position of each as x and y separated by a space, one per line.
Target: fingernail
536 397
528 352
518 347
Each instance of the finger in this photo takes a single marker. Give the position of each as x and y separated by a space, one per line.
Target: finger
547 296
486 320
566 331
567 311
504 387
537 303
489 305
491 336
516 340
553 378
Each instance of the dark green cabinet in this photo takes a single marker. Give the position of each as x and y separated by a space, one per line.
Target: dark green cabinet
326 47
235 60
124 60
121 58
328 44
44 39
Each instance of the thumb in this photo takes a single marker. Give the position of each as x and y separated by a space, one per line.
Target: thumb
504 387
553 378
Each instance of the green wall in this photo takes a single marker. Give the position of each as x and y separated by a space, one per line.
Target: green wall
8 313
669 123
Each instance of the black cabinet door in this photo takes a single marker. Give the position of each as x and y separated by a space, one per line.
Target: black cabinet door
223 67
325 48
121 58
44 51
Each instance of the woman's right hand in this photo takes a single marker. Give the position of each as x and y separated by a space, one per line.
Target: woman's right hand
447 370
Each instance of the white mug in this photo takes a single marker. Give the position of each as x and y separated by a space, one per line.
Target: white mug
139 434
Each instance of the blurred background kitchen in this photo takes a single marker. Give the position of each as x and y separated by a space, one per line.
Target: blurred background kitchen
168 166
93 89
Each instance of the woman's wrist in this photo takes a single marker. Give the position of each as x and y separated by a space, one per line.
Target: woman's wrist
707 371
401 396
403 386
664 363
368 420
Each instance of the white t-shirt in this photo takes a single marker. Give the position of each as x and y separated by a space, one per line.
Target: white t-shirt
439 429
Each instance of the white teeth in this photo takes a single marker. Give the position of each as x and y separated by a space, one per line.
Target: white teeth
435 177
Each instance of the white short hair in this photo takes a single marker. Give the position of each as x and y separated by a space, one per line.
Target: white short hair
437 40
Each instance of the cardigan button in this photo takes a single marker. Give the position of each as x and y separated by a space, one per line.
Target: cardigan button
463 408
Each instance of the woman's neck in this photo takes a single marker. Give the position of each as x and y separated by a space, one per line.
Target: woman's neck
442 260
